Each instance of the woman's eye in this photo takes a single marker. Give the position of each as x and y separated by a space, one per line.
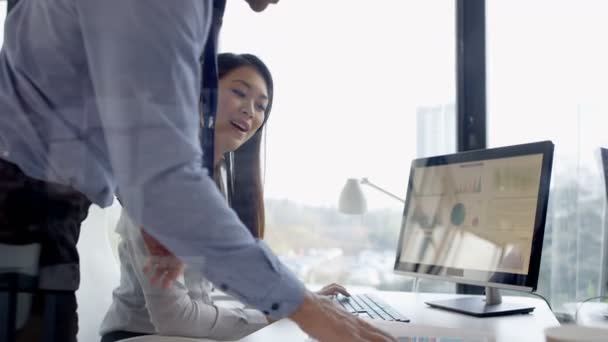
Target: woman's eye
261 108
238 92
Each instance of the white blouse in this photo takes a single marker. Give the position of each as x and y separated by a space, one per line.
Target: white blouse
186 309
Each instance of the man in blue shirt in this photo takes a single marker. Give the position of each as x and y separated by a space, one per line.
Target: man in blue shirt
102 96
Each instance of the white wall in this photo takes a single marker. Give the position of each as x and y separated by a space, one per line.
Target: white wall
99 270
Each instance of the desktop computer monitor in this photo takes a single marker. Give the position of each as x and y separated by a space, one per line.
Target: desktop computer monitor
478 218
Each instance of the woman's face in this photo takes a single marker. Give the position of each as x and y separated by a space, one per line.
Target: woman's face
242 101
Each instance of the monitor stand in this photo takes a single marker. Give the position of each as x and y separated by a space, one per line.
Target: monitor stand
489 306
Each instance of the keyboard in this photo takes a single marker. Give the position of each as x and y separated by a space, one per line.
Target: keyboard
370 306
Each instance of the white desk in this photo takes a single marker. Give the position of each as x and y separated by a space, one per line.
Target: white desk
520 328
589 314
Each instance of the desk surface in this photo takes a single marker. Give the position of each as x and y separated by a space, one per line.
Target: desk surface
520 328
589 314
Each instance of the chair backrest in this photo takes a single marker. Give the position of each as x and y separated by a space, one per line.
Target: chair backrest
18 278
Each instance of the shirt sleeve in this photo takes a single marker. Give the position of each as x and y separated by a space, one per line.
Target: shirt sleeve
143 60
173 312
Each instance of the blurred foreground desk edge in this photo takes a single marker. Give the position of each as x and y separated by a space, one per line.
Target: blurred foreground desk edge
521 328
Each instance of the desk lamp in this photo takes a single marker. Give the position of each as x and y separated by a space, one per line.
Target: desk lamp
352 199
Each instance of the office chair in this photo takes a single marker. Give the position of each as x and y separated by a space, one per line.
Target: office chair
18 280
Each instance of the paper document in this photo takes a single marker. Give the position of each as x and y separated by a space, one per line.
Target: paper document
407 332
286 330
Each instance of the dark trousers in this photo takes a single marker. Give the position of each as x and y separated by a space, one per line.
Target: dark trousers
48 214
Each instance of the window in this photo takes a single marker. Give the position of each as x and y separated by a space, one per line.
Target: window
547 77
360 90
2 18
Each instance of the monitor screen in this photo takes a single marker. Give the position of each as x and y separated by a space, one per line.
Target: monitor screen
477 217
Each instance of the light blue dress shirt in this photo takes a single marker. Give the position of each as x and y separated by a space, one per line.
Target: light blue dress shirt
103 95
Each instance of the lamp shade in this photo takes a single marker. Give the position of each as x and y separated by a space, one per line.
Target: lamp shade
352 200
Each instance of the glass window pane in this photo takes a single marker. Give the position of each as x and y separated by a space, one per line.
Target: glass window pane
547 75
2 18
360 90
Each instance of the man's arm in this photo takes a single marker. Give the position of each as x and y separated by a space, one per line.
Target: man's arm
143 58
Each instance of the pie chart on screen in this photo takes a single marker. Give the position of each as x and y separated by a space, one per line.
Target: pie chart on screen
458 214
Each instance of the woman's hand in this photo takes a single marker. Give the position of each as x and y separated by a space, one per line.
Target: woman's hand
162 266
333 290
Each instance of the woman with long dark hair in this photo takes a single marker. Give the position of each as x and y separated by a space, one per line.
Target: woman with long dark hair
245 96
243 167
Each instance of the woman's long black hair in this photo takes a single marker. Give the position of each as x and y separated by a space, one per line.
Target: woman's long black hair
244 167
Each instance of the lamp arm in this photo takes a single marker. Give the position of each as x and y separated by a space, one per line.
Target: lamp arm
367 182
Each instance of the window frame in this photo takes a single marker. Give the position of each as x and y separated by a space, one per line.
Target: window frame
471 74
471 128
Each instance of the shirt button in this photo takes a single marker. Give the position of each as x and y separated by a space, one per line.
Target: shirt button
275 306
223 287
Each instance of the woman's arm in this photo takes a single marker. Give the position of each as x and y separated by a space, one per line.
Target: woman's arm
173 311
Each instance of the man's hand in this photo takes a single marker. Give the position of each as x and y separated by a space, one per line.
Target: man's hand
328 290
332 290
162 266
322 320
